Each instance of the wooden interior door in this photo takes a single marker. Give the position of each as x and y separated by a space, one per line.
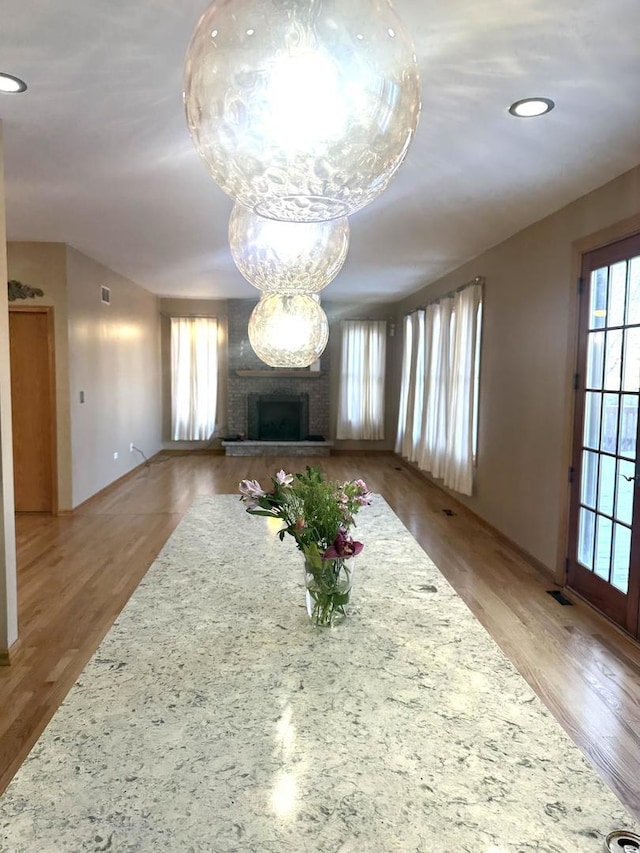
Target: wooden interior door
33 407
604 535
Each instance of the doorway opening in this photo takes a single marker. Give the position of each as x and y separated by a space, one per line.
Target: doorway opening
32 354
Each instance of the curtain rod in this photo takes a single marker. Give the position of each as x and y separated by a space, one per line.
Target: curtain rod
183 315
365 319
479 279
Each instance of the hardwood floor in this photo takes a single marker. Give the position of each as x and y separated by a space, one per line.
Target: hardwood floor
76 573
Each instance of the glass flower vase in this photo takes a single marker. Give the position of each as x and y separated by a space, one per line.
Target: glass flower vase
327 588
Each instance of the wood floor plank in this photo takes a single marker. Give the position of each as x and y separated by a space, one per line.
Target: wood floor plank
76 573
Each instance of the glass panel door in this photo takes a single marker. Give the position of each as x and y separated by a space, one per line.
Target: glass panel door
604 557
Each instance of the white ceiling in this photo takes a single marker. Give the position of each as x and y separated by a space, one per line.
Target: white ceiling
97 153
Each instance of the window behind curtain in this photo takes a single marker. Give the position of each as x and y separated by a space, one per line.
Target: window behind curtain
194 378
362 372
438 417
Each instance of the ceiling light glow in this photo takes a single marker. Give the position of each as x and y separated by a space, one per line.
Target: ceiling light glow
288 330
309 119
287 257
530 107
10 84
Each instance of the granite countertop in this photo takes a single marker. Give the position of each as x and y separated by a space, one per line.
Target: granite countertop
214 717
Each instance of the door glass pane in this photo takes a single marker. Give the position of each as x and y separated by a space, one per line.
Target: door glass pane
586 537
613 361
624 497
633 300
628 426
607 484
631 373
589 478
617 293
621 555
598 302
609 438
604 495
592 404
595 360
603 547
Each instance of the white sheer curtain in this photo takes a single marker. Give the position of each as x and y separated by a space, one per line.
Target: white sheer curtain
458 472
194 378
416 397
432 449
412 389
362 374
437 420
405 387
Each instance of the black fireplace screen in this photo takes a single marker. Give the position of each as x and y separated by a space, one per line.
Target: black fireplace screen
278 417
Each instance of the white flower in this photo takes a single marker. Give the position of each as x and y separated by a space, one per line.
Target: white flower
283 479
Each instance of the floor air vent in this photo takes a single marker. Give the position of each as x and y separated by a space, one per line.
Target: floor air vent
559 597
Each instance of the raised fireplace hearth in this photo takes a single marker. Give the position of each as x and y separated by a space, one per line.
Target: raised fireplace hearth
277 448
278 425
278 417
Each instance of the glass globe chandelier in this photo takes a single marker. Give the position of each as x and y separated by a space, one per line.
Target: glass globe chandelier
301 109
288 330
287 257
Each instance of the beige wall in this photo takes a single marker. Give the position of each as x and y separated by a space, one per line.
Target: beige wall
335 313
8 587
109 352
114 358
528 356
43 265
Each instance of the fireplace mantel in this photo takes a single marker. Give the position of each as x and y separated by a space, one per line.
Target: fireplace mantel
300 373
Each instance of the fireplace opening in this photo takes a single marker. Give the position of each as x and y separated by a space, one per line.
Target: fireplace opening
278 417
279 420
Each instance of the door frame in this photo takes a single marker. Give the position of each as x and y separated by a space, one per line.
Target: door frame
49 311
598 239
610 234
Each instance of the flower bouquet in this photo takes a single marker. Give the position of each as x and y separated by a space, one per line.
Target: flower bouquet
318 514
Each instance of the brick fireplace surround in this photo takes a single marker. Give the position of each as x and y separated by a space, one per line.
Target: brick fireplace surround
248 375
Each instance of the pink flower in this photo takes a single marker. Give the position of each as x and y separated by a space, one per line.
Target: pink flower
343 546
283 479
363 495
251 489
364 500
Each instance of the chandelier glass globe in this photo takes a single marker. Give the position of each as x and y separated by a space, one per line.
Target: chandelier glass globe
288 330
287 257
301 109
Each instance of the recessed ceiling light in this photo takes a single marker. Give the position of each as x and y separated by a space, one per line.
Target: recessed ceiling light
529 107
11 84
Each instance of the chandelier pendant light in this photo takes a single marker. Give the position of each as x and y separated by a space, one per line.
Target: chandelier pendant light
287 257
302 110
288 330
